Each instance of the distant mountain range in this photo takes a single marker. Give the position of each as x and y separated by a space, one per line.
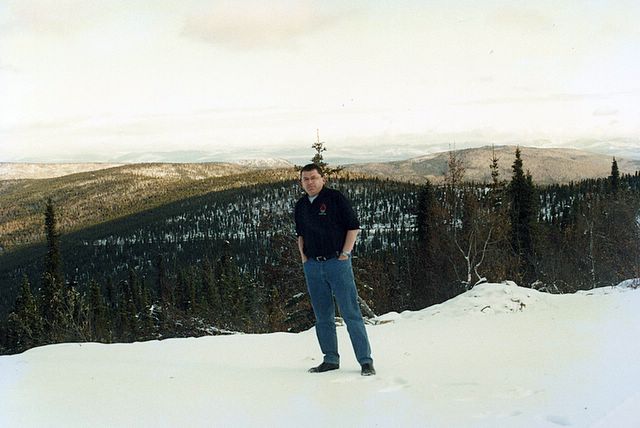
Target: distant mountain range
547 166
94 193
17 171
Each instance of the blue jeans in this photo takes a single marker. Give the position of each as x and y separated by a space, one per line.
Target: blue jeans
325 280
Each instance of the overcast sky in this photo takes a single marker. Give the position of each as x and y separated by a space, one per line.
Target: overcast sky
100 78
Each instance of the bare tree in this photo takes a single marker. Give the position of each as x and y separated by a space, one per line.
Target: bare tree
476 237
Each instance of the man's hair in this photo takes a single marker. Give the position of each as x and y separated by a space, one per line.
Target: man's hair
310 167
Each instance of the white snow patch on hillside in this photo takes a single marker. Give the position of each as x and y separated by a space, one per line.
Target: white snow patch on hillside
498 355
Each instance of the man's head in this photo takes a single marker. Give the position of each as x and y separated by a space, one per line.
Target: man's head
312 179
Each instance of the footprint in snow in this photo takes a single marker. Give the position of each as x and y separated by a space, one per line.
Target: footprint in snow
396 384
558 420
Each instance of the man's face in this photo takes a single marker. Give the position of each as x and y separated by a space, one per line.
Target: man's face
312 182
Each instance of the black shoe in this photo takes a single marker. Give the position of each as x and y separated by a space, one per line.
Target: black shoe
368 370
324 367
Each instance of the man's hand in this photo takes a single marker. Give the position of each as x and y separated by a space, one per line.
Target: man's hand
301 249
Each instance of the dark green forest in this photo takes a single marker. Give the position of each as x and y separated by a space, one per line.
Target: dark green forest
227 261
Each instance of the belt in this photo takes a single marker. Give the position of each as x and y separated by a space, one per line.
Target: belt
325 258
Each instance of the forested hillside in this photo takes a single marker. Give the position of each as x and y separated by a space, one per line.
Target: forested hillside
227 260
240 221
89 198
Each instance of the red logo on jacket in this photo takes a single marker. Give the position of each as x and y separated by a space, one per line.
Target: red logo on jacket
323 209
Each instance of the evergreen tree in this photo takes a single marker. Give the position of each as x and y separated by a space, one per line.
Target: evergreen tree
425 230
318 158
425 213
53 303
498 254
495 170
76 314
522 214
421 274
98 314
319 148
211 292
146 321
130 306
52 263
24 324
163 285
135 291
186 292
167 297
226 283
125 314
287 305
614 178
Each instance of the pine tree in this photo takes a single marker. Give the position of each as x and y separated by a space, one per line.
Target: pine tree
453 182
225 283
24 329
76 314
210 290
318 146
498 254
522 214
52 304
495 170
167 297
425 238
186 292
421 274
287 305
125 314
614 178
163 285
98 314
53 263
146 322
425 213
130 306
136 291
318 158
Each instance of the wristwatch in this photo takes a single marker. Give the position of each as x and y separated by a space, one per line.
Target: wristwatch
345 253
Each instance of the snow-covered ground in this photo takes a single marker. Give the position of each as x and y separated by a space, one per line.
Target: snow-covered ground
497 356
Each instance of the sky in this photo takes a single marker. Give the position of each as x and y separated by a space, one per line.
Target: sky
97 79
496 356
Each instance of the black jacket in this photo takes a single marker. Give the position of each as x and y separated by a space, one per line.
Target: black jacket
324 223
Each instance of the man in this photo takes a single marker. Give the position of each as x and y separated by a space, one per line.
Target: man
327 228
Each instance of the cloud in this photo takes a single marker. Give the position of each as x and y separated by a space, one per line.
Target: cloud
602 111
248 24
559 97
521 19
61 17
8 67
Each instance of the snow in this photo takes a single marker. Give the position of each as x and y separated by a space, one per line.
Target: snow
497 355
